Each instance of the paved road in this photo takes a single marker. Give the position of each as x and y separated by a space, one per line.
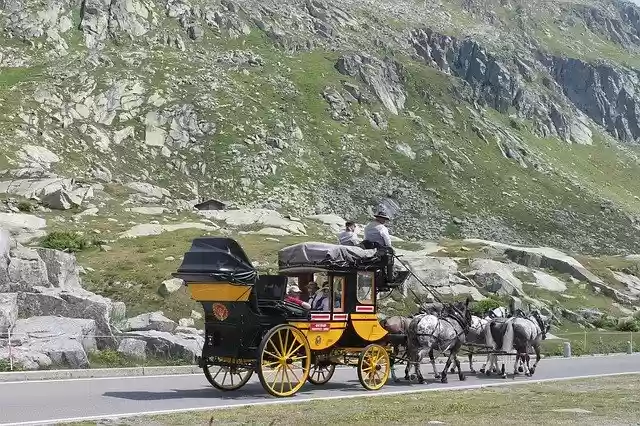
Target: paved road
46 401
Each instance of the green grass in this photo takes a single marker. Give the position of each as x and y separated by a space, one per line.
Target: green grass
609 400
113 359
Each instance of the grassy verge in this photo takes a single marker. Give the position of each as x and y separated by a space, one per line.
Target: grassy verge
611 400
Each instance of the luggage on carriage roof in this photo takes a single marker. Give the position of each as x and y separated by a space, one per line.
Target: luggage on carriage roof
315 254
220 259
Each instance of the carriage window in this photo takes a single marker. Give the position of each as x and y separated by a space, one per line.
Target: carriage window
365 288
338 294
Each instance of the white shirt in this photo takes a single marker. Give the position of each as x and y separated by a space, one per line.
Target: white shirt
348 238
319 302
377 233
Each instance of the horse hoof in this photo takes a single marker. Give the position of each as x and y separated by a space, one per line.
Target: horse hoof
487 373
437 376
528 374
533 370
520 369
444 379
472 371
462 377
482 370
421 381
453 370
504 376
396 380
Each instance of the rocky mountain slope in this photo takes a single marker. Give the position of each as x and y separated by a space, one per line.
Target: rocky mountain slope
507 120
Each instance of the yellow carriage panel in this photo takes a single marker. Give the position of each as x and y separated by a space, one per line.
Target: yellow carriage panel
219 292
321 335
368 327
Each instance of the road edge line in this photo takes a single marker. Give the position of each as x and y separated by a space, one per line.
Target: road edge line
312 399
152 371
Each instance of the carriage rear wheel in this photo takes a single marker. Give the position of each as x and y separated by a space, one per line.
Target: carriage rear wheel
321 374
373 367
227 378
285 360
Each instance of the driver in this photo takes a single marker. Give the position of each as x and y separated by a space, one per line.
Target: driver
293 296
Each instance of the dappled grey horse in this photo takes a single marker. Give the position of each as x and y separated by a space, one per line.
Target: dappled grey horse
397 326
518 333
445 332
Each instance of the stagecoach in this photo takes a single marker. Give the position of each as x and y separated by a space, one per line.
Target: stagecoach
251 328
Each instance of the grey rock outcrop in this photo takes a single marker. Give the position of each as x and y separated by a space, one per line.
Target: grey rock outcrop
65 341
150 321
609 96
500 85
134 348
495 277
385 78
169 346
8 311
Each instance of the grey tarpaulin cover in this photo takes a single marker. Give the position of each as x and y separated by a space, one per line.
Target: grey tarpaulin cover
323 254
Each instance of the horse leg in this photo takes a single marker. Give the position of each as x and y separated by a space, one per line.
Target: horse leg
392 365
460 373
417 366
433 364
525 364
446 367
471 370
536 347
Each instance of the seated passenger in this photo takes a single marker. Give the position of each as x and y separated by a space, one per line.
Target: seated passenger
293 296
312 290
322 299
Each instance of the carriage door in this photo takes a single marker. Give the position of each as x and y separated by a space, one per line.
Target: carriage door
365 292
338 297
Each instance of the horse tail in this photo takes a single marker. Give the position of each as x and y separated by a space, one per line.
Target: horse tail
507 338
488 336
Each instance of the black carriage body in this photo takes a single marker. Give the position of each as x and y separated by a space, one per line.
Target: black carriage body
239 305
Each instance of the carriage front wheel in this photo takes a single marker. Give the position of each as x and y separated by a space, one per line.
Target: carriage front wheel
373 367
321 374
227 378
284 360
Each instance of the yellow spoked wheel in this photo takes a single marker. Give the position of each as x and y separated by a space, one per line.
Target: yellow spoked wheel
373 367
227 378
321 374
285 360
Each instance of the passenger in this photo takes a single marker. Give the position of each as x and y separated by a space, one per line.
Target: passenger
321 302
312 290
293 296
348 237
376 231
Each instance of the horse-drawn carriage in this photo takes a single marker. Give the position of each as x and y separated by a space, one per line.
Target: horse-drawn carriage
250 327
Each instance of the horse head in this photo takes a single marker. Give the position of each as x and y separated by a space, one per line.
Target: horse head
543 321
462 312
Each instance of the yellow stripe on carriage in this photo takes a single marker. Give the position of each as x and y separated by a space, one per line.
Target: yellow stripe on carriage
219 292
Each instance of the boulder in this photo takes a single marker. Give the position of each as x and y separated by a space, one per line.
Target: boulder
62 268
61 200
186 322
542 257
631 281
170 286
134 348
166 345
66 341
147 229
25 358
196 315
590 315
23 226
148 189
461 289
188 330
154 211
495 277
8 311
155 321
26 269
5 249
548 282
79 303
252 217
334 222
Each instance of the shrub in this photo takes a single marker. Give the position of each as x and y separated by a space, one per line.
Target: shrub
65 241
481 307
633 326
26 206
